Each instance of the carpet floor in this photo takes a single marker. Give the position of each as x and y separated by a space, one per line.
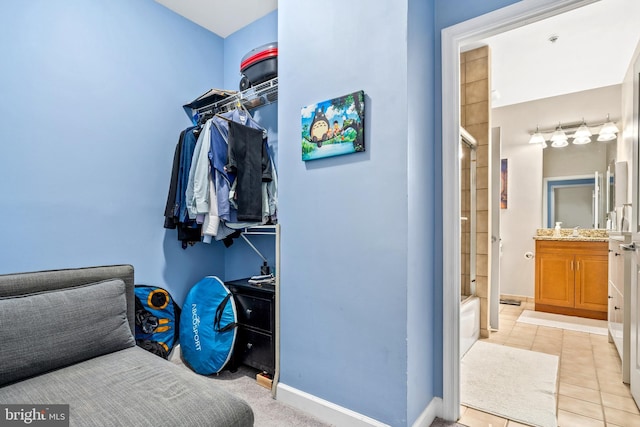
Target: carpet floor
510 382
267 411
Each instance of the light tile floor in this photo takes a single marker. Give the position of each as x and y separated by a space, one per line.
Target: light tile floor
590 388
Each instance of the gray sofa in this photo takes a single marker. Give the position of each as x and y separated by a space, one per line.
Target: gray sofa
66 337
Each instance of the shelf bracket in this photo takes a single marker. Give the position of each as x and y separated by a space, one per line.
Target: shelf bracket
252 246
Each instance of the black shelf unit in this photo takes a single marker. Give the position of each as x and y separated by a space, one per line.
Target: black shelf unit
255 341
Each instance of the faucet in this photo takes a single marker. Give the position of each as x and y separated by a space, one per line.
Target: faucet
575 231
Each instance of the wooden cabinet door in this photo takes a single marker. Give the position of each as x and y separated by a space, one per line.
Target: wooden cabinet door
591 282
613 272
555 279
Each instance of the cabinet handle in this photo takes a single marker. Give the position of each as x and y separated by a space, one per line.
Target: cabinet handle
571 265
248 311
617 254
616 308
610 297
249 345
578 265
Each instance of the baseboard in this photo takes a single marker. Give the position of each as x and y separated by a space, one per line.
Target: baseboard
430 413
324 410
520 298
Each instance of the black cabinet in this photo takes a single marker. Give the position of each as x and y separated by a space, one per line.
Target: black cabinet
255 341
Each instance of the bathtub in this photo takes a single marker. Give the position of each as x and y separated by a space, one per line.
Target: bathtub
469 323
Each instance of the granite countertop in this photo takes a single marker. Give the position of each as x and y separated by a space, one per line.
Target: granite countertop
566 234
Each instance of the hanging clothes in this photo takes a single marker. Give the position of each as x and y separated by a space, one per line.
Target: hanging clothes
270 196
197 193
250 162
218 158
219 155
171 209
211 222
223 179
188 147
176 209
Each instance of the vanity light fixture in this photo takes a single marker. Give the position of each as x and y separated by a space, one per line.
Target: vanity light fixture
559 138
608 131
537 137
582 133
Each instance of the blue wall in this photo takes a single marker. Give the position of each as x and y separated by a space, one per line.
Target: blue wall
424 363
449 13
90 114
344 219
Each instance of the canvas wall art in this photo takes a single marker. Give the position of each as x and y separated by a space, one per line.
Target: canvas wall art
334 127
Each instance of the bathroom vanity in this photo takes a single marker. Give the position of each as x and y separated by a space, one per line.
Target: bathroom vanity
571 275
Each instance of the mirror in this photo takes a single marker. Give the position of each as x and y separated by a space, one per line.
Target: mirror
578 185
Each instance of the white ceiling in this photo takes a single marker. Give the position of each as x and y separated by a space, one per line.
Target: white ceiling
594 49
222 17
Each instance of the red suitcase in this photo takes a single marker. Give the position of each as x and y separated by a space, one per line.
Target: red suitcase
259 65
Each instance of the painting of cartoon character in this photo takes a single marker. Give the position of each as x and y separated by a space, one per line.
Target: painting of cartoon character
334 127
319 127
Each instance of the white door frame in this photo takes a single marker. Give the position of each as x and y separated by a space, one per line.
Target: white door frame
474 30
634 369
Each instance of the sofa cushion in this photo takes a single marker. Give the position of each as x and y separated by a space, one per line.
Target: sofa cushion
133 387
48 330
24 283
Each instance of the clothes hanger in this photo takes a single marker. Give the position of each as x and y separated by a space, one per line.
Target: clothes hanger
223 117
240 106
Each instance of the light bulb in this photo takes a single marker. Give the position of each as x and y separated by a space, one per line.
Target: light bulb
581 140
559 143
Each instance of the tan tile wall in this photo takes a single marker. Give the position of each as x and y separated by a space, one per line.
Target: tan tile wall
475 99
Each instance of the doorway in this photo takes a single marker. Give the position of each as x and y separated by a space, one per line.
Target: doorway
452 39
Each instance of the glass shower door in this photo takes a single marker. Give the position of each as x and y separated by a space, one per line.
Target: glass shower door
467 219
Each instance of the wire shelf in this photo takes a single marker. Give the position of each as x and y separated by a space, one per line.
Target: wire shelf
256 96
